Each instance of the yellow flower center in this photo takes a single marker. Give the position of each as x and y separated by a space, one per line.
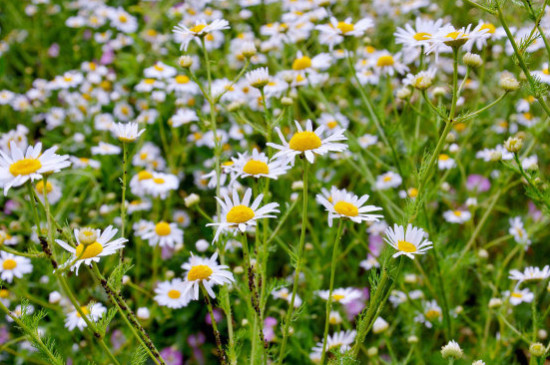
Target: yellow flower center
490 28
209 37
144 175
163 229
9 264
197 28
123 18
443 157
528 116
387 178
304 141
84 310
182 79
337 297
301 63
174 294
386 60
25 166
332 124
199 272
159 67
299 78
516 295
422 36
254 167
40 187
158 180
4 293
89 251
346 209
432 314
413 192
149 81
457 213
239 214
345 27
454 35
406 246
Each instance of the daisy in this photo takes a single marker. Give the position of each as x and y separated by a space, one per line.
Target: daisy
304 63
285 294
369 263
530 274
238 215
105 149
543 75
159 71
333 121
163 234
16 167
380 325
182 84
457 216
334 32
449 36
169 294
309 142
341 295
52 189
444 162
92 244
343 204
385 63
517 297
201 28
367 140
92 311
183 116
409 242
160 184
388 180
257 165
339 341
420 35
258 78
518 231
13 266
127 132
205 272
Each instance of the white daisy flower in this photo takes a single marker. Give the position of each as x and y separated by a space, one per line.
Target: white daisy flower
517 297
92 244
105 149
127 132
238 215
182 84
170 294
258 78
341 295
159 71
163 234
369 263
205 272
285 294
445 162
420 35
340 341
13 266
457 216
309 142
258 165
334 32
52 189
333 121
530 273
16 167
409 242
183 116
388 180
160 184
343 204
93 312
518 231
185 35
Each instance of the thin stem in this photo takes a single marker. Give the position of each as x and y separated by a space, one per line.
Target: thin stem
331 286
221 352
288 317
123 202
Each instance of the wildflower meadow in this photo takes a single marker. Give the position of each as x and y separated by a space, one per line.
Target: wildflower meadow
274 182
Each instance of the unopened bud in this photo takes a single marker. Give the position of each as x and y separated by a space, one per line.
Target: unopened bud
185 61
472 60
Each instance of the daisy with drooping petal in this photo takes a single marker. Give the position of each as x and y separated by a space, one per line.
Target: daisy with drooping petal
16 167
185 35
237 215
127 132
257 165
206 272
93 312
341 295
92 245
163 234
13 266
339 341
170 294
409 242
343 204
52 189
309 142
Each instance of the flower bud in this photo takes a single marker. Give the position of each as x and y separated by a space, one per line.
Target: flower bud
451 350
248 49
372 351
403 93
143 313
508 82
202 245
537 349
495 302
412 339
472 60
513 144
286 101
185 61
439 91
191 200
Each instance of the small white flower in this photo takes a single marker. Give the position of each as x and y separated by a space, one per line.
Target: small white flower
409 242
206 272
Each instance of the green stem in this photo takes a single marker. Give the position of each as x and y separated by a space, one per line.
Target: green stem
221 352
123 202
331 287
288 317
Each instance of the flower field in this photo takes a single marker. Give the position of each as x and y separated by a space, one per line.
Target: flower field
274 182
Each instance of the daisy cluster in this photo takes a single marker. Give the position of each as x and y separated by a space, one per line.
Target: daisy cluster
282 182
